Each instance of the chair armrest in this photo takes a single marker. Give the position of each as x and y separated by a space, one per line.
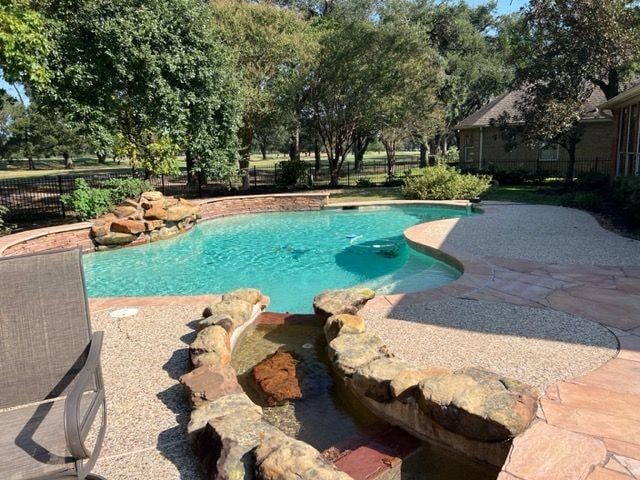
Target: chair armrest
76 428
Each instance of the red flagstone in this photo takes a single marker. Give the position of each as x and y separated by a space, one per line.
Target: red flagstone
545 452
618 375
591 422
587 397
605 474
626 449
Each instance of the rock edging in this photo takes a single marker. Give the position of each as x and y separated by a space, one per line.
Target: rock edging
230 437
473 411
150 218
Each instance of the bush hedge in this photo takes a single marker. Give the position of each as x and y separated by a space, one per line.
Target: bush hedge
91 202
442 182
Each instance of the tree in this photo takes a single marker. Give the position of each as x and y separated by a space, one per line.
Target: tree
570 47
592 42
269 43
149 71
24 44
29 133
473 61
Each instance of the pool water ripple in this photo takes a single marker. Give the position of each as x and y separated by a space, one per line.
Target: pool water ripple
290 256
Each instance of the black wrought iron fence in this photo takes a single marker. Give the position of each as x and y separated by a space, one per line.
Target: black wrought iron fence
40 197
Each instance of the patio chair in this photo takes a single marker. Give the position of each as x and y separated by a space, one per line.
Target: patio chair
51 386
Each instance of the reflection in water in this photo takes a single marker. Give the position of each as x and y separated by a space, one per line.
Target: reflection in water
328 413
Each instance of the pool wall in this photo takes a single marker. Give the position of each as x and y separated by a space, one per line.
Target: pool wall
78 234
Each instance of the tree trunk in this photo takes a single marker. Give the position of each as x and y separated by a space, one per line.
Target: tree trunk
571 166
101 155
31 165
318 156
359 149
424 152
68 161
390 149
263 151
246 138
334 168
190 164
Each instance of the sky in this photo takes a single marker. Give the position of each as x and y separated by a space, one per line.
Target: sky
504 6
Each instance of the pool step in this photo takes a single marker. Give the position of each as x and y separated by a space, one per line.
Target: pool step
378 456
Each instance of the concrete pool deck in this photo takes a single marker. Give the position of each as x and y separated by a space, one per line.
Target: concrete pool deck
540 258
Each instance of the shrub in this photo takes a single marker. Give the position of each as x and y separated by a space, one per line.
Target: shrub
592 182
122 188
88 202
364 182
291 172
452 156
441 182
4 228
626 191
588 200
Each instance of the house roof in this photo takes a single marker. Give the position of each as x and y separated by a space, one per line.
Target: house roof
507 103
627 96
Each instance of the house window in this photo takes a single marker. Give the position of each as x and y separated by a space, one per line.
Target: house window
468 148
548 153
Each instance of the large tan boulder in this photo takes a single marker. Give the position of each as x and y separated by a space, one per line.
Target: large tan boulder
250 295
478 404
239 405
211 347
239 310
407 381
151 196
128 226
279 457
155 213
348 353
222 319
373 380
210 382
115 238
335 302
227 444
343 323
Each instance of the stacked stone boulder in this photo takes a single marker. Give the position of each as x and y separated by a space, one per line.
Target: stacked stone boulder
471 410
149 218
230 437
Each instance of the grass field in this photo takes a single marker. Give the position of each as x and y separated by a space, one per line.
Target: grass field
89 165
518 194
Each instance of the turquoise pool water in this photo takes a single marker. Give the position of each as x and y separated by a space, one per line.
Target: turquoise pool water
290 256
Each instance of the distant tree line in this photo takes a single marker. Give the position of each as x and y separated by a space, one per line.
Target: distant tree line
148 79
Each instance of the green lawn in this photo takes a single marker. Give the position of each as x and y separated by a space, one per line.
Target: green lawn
519 194
273 158
366 194
55 166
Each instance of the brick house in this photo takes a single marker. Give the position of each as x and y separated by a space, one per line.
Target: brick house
482 145
625 147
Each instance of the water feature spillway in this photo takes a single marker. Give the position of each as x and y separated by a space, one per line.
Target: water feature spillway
328 414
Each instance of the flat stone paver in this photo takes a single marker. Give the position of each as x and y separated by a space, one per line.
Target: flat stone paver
546 452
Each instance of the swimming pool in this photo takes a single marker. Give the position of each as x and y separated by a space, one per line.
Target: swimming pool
290 256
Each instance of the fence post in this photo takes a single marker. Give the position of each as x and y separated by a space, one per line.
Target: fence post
255 177
64 212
